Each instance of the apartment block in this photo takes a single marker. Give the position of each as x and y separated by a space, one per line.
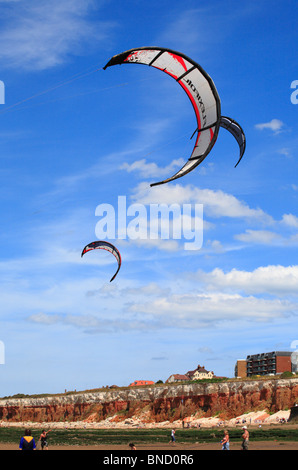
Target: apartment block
273 363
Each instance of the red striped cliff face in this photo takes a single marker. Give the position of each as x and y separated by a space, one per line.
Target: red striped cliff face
158 403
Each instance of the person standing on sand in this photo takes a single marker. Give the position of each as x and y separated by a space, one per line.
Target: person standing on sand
245 438
173 439
43 439
225 441
27 442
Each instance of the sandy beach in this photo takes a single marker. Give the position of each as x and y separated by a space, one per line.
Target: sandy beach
262 445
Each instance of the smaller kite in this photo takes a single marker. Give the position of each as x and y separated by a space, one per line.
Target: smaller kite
103 245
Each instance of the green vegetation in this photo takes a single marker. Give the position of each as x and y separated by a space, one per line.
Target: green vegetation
287 375
214 380
70 437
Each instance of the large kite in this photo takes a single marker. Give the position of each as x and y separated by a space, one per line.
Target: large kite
104 246
201 92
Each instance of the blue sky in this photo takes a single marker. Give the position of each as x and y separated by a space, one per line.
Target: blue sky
74 136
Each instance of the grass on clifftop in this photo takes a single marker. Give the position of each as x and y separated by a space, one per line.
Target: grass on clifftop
285 375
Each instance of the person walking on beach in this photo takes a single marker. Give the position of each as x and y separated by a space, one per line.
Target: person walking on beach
27 442
225 441
245 438
173 438
43 439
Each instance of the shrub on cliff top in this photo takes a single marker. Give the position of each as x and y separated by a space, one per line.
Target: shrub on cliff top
286 375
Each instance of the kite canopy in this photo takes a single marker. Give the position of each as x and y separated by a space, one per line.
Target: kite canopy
199 88
104 246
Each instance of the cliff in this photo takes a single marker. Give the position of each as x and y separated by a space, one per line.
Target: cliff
157 403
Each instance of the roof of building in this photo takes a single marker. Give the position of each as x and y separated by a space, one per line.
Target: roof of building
200 369
141 382
270 354
179 377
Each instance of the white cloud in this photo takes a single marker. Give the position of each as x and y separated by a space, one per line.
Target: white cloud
285 151
290 220
151 289
274 125
258 236
204 310
44 318
40 34
216 202
274 280
91 323
137 306
216 246
147 310
151 170
266 237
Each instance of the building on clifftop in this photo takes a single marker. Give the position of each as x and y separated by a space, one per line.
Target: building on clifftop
271 363
177 378
199 373
138 383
